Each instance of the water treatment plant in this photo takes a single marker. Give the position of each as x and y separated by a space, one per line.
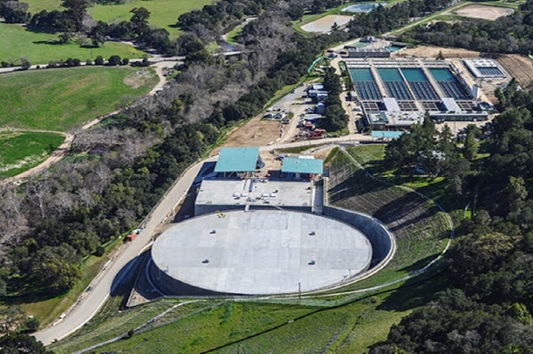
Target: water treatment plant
395 94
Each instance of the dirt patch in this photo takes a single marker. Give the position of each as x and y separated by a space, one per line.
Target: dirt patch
255 132
138 79
323 25
484 12
519 67
432 52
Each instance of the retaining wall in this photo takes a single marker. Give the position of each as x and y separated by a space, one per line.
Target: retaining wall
383 243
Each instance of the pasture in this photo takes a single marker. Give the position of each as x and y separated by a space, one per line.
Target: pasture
16 42
20 151
63 99
164 13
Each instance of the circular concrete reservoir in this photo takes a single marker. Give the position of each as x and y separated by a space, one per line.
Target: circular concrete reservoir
257 252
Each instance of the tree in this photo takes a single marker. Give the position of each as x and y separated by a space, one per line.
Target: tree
75 13
114 60
11 318
22 343
14 11
139 20
32 324
471 144
99 60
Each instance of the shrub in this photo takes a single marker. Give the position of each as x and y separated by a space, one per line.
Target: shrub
32 324
99 60
100 250
114 60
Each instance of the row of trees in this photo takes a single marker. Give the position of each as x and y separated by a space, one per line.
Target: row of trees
488 306
335 115
508 34
435 153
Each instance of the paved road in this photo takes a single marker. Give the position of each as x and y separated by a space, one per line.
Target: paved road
90 302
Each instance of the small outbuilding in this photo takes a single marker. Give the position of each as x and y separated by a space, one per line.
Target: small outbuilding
297 167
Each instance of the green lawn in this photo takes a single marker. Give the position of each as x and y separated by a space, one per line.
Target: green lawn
20 151
164 13
62 99
16 42
251 327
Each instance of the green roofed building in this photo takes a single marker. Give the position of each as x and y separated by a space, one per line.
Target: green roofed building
299 166
238 160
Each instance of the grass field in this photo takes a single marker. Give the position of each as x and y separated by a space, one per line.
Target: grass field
16 42
250 327
164 13
62 99
20 151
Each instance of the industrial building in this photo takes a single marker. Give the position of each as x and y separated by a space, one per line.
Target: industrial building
394 94
238 162
366 53
485 68
293 187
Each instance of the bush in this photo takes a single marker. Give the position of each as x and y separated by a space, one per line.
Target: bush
25 64
100 251
32 324
88 62
114 60
53 64
125 61
99 60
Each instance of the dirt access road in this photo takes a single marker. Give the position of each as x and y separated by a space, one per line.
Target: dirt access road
263 132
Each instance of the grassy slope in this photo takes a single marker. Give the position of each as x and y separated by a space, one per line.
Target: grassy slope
252 327
16 42
164 13
20 151
421 230
61 99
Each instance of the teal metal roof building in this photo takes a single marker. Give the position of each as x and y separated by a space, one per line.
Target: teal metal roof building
386 134
296 165
237 160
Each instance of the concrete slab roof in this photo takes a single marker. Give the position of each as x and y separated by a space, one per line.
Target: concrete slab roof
261 252
297 165
237 159
237 192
